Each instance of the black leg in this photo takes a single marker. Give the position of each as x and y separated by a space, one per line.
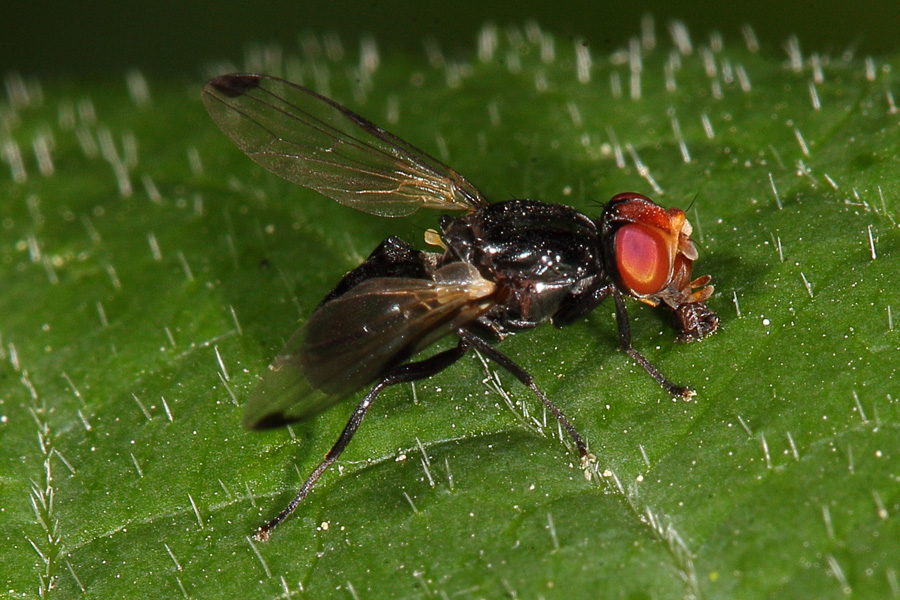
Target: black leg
625 341
401 374
588 302
522 375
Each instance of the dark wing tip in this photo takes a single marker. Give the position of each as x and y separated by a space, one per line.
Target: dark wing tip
271 421
234 85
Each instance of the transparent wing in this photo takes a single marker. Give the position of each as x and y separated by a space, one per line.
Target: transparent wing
352 340
317 143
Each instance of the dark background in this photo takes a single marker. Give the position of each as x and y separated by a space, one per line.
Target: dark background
94 38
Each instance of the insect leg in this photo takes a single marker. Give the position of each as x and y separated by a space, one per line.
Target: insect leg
522 375
625 342
401 374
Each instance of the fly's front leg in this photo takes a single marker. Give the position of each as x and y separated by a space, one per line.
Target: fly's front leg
402 374
525 377
587 302
625 341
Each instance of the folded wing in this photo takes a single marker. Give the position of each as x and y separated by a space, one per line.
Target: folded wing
352 340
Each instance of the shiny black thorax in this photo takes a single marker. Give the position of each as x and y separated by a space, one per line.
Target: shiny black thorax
546 260
542 257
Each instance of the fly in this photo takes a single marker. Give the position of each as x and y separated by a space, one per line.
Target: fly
500 268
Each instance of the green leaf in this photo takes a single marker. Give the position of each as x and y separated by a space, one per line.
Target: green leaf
150 274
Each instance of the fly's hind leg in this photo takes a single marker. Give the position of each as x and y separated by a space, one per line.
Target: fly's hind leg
401 374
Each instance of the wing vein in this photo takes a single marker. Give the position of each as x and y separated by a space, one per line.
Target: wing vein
313 141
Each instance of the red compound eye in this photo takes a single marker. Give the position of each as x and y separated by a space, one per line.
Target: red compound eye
642 257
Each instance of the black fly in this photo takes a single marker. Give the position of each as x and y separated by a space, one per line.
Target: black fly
501 267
